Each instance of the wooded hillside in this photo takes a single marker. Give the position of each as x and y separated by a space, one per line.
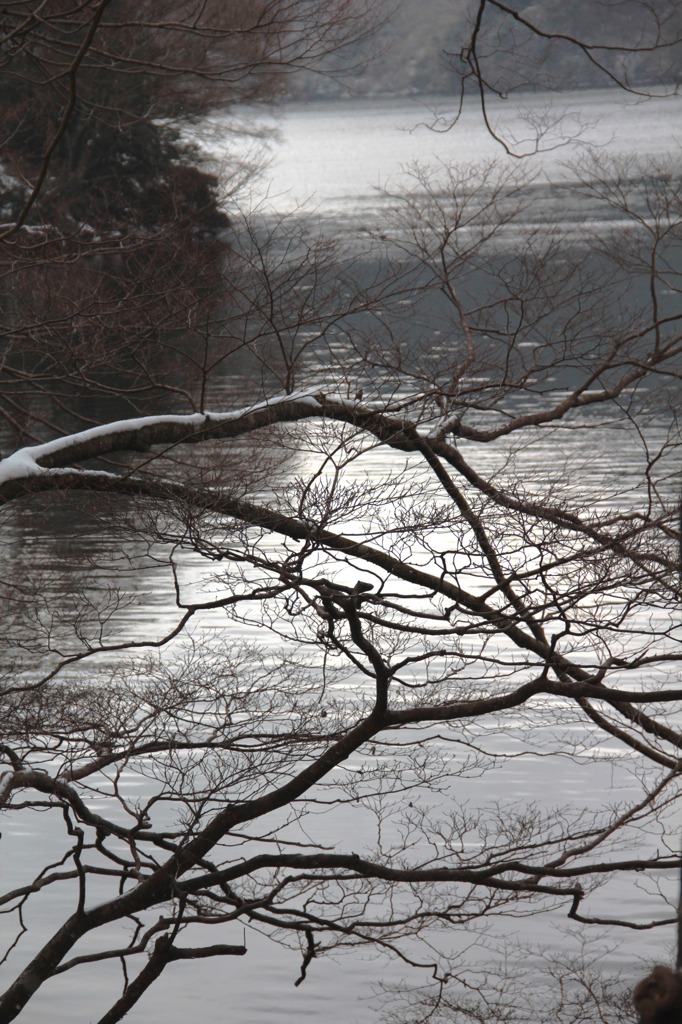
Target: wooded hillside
419 47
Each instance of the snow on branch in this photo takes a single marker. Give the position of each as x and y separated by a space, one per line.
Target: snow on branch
142 433
43 466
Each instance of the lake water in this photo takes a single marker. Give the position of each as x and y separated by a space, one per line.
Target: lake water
334 160
326 169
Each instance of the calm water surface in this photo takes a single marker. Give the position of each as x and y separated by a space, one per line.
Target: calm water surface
333 158
336 158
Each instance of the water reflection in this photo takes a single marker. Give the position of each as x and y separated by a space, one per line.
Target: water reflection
267 332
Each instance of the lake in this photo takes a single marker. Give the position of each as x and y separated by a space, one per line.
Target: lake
329 168
332 160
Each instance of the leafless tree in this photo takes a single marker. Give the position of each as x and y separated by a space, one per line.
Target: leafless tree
511 47
417 574
318 568
550 987
84 82
113 232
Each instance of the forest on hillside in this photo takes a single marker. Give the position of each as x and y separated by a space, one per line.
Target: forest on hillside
420 48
